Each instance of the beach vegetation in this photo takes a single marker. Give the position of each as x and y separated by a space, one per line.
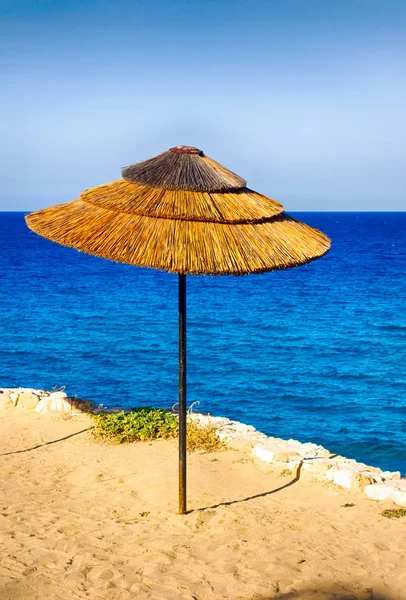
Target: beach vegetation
141 424
147 423
348 505
285 473
202 438
394 513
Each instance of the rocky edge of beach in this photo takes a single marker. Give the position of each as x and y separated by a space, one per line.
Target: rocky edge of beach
307 459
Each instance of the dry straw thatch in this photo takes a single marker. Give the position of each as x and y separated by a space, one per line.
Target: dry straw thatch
182 212
183 168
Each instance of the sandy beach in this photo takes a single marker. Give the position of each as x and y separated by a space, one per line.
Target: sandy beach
83 519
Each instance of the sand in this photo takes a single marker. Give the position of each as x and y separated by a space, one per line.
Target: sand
85 520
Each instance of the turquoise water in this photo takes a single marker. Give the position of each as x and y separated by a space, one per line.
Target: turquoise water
315 353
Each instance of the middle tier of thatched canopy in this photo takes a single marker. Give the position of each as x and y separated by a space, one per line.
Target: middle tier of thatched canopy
190 231
235 206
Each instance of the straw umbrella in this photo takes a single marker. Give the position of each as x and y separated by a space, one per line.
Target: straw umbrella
185 213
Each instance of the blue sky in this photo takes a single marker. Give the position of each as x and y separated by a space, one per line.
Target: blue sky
304 98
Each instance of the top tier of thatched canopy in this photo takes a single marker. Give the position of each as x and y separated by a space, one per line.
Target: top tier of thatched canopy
183 168
182 212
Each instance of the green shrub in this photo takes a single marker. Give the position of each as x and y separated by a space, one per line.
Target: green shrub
141 424
146 423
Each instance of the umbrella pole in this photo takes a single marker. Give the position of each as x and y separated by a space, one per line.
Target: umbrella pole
182 393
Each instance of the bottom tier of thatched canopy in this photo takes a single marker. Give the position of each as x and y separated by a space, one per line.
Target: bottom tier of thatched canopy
180 246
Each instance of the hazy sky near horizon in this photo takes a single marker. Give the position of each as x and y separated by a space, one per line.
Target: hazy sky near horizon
306 99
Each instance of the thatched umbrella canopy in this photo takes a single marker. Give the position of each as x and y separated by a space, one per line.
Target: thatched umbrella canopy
185 213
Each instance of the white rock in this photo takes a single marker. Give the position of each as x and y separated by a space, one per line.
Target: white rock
242 444
351 478
362 480
399 497
293 442
308 449
259 437
59 405
57 395
240 427
27 400
219 421
317 465
224 434
346 464
197 417
263 453
42 405
330 473
13 397
5 401
20 390
274 440
269 451
390 475
316 470
344 478
288 457
379 491
201 419
227 430
52 404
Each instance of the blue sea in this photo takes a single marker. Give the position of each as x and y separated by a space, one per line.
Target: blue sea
317 353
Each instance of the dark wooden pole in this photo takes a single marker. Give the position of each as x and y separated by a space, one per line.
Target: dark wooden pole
182 393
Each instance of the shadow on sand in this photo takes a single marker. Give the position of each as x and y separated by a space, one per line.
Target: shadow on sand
327 592
262 495
46 443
